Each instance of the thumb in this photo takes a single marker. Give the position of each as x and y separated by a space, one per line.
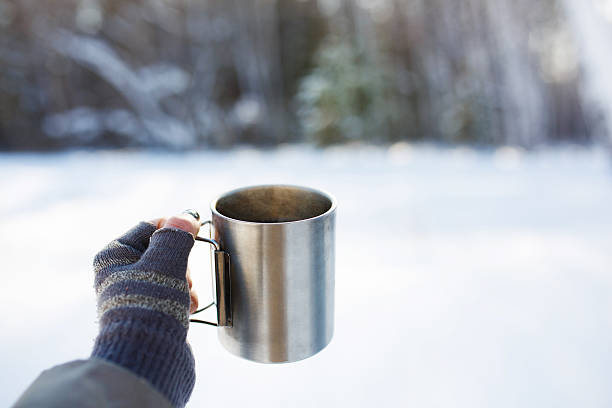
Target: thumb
170 246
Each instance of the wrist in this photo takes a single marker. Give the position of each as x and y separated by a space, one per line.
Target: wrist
153 346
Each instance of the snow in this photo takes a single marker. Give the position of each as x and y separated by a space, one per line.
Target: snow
464 278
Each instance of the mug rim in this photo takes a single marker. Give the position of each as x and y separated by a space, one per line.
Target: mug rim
324 193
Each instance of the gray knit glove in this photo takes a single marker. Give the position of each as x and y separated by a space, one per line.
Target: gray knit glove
143 308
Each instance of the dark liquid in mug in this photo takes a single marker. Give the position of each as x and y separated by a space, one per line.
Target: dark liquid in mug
268 204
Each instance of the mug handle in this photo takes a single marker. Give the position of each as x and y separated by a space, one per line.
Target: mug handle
222 285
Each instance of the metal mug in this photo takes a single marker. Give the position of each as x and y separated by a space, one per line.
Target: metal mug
274 271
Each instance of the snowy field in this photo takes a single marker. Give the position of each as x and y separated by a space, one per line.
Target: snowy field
463 278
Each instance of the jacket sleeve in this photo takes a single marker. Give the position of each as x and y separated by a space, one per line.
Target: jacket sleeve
90 383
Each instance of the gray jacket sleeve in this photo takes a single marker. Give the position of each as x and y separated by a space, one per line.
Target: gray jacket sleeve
90 383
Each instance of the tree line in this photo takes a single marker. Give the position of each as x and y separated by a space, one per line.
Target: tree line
182 74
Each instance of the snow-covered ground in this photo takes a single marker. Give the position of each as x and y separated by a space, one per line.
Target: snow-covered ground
463 278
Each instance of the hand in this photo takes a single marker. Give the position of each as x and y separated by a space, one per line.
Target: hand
144 302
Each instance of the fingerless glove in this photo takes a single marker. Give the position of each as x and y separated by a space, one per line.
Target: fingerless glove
143 308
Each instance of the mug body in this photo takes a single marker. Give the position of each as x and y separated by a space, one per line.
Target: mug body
280 240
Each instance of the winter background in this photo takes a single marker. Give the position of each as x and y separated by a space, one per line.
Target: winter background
466 141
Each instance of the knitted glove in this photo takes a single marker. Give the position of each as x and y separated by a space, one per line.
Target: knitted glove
143 308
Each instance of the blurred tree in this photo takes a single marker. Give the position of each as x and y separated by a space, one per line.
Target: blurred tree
346 98
181 73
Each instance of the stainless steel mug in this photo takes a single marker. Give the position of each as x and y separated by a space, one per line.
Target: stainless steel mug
274 271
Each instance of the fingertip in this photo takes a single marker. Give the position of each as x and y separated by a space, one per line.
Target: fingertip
183 222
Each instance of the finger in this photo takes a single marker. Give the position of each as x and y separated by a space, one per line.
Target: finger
189 281
193 305
137 237
185 222
193 296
